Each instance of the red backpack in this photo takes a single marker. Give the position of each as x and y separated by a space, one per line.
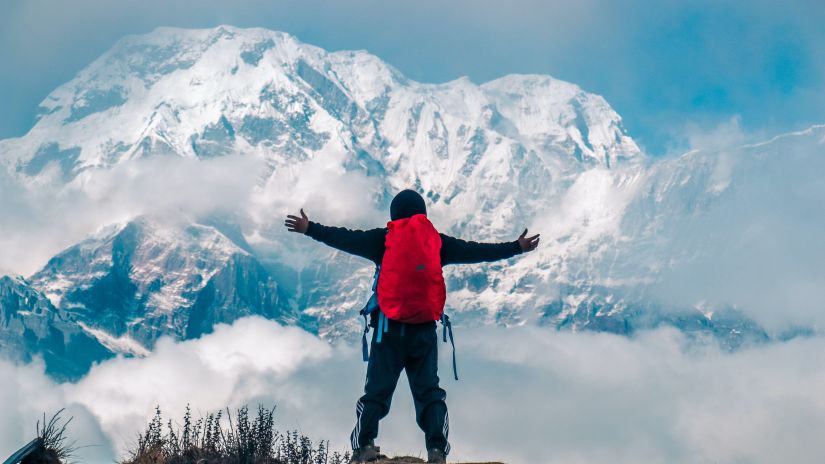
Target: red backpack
410 285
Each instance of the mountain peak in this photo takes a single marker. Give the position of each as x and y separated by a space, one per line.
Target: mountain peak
211 92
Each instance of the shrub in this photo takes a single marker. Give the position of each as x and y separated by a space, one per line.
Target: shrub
215 439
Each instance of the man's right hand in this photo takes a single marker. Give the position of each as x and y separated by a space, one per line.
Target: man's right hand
297 224
528 243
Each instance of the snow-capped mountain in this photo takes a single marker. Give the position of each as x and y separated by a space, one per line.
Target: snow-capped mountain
30 326
139 281
341 132
204 93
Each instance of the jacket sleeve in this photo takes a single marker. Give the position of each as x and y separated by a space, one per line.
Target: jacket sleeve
364 243
457 251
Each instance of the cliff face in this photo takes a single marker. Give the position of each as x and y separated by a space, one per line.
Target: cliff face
143 280
31 327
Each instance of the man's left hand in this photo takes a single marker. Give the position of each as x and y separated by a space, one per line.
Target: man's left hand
297 224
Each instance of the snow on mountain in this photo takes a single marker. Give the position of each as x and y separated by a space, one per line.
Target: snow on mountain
32 327
344 131
186 92
133 283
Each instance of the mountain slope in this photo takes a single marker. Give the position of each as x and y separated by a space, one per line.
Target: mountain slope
143 280
32 327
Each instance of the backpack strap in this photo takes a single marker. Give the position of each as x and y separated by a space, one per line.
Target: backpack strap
365 351
372 305
383 326
448 327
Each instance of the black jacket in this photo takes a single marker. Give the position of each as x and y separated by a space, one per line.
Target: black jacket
370 244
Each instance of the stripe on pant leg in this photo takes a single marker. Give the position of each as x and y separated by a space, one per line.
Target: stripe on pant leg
447 431
356 438
359 408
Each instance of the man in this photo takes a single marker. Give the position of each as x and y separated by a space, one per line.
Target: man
411 347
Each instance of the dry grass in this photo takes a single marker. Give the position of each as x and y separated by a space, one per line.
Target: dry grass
52 446
229 439
213 439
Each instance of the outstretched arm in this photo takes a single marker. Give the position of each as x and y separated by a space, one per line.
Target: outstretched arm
365 243
457 251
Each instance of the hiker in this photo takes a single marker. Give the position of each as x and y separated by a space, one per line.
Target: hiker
410 299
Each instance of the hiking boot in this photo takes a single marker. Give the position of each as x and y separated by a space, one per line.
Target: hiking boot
366 453
437 456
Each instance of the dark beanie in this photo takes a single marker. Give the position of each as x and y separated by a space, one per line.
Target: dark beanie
406 204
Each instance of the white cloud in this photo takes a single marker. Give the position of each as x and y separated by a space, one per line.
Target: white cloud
26 394
753 243
726 135
526 395
328 192
39 221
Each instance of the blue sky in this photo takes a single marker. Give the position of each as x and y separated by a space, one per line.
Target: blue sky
668 67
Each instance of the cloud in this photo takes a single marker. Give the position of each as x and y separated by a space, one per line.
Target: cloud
27 394
726 135
323 186
526 395
41 220
752 242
